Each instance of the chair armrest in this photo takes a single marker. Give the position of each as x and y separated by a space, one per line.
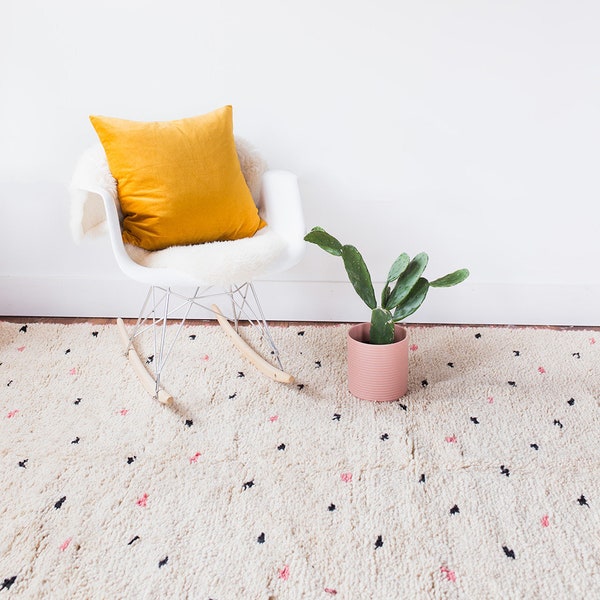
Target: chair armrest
95 205
281 207
113 225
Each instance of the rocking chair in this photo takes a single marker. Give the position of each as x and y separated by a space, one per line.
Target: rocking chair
210 270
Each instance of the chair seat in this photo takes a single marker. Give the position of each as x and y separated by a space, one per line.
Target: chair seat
217 263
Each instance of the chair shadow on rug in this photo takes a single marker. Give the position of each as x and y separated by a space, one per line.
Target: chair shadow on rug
184 277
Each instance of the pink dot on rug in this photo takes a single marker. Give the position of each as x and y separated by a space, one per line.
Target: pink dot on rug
12 413
21 348
273 418
451 439
545 521
65 544
347 477
284 573
450 575
592 341
414 347
142 501
194 458
541 369
490 399
73 371
330 591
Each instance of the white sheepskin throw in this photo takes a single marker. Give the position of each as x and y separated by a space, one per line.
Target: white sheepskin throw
216 263
253 166
87 209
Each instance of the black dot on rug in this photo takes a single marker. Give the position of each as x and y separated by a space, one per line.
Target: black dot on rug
582 501
8 582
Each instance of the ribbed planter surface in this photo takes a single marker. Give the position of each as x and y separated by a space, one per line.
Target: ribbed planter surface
377 372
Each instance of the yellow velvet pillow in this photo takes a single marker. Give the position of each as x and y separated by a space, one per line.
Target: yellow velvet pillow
179 182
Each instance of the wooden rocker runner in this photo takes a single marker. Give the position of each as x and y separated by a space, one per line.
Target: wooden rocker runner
152 383
256 359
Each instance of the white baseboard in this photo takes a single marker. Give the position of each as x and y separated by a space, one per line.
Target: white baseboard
470 303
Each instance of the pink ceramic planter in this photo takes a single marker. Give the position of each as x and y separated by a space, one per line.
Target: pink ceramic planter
377 372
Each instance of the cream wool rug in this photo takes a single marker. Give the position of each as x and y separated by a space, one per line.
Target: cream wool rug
483 482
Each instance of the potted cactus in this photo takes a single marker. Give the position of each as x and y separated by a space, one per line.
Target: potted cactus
378 350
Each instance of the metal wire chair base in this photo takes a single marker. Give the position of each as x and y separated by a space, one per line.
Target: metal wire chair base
164 305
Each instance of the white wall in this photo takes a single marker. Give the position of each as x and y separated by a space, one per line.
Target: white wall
467 129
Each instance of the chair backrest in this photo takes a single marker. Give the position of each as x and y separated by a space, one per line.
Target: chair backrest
95 208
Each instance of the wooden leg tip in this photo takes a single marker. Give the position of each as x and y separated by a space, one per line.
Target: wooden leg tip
165 398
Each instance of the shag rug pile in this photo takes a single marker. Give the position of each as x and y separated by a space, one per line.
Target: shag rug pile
482 482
